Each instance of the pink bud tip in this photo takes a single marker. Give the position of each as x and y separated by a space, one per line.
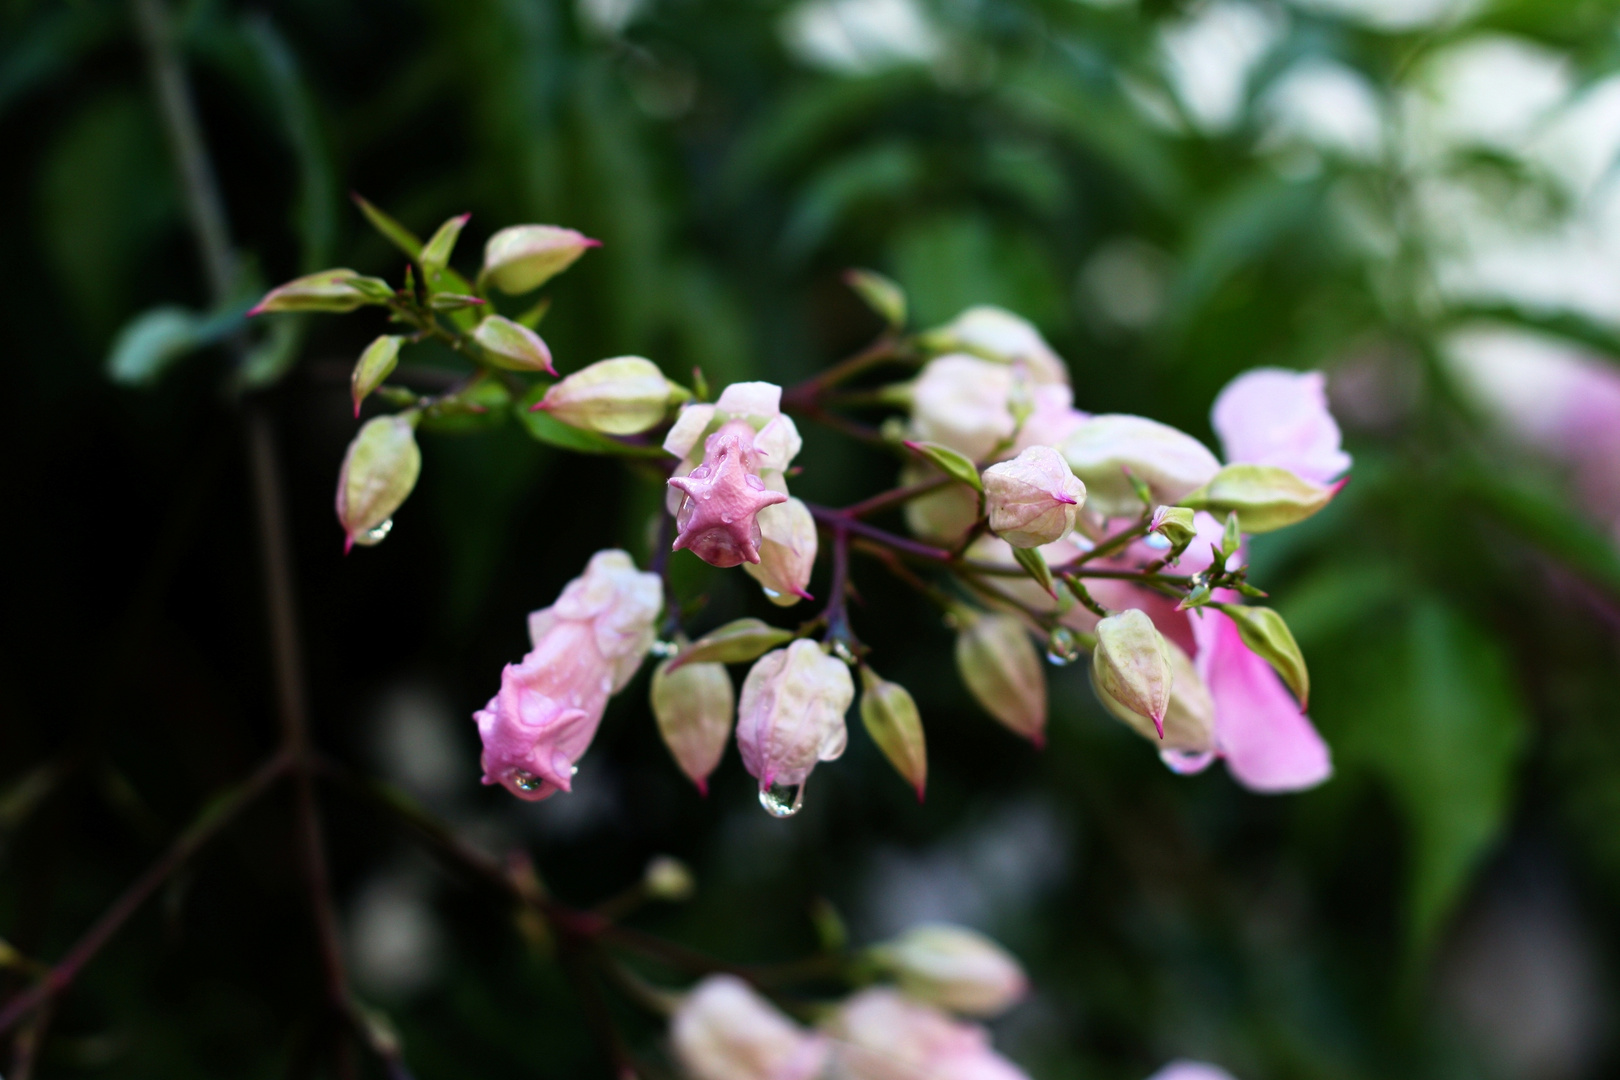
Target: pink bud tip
1158 723
802 594
588 242
1064 498
464 218
348 544
702 786
912 446
1338 487
357 408
919 793
256 309
541 404
1039 739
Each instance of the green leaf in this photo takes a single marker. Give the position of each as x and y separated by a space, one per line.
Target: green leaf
1539 516
953 463
436 252
1268 637
392 231
881 294
151 342
374 365
736 642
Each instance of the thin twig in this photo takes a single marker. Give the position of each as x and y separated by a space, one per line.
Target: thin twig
214 817
829 519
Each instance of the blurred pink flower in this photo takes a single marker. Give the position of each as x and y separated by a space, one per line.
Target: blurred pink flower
1269 416
724 1030
586 647
880 1035
1191 1070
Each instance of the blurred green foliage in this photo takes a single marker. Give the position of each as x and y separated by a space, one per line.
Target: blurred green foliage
1458 609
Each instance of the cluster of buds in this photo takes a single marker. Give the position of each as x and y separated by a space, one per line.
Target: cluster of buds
725 1030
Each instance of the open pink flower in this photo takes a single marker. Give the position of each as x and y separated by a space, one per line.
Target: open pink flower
586 647
1269 416
717 519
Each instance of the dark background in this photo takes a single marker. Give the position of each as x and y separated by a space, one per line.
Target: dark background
1444 907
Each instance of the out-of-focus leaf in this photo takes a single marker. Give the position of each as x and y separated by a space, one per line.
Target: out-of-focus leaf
155 339
877 174
50 43
1548 522
1243 224
1565 324
1428 702
393 231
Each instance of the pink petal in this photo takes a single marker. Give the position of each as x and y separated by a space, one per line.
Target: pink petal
1268 744
1269 416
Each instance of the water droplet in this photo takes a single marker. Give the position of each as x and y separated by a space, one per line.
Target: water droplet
782 800
842 651
1063 647
375 534
1156 542
1186 762
527 780
573 770
664 648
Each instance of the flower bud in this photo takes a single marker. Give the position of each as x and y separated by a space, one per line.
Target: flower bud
717 518
374 365
891 719
1131 664
1032 499
883 1036
1175 524
1169 462
329 290
525 257
723 1030
1268 637
667 878
623 396
997 334
998 663
436 252
693 706
513 346
1264 497
1189 717
954 968
961 402
378 473
791 715
787 552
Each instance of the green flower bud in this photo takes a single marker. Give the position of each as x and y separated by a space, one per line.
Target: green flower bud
623 396
379 471
1131 666
329 290
891 718
1264 497
998 663
375 365
1189 717
513 346
525 257
1113 454
667 878
1175 524
1268 636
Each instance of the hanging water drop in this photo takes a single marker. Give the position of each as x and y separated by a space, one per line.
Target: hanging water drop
1157 542
1186 762
842 650
771 593
375 534
782 800
527 781
664 648
1063 646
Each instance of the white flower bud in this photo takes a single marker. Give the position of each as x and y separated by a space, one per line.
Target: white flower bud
1032 499
961 401
1171 463
667 878
379 471
693 706
723 1030
955 968
787 552
791 714
997 334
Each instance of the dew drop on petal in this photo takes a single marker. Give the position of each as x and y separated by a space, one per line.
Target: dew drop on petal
1186 762
1063 647
1156 542
527 780
375 534
782 800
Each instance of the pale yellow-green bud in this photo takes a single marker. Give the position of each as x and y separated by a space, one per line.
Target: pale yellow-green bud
525 257
787 552
667 878
1264 497
998 663
1131 665
622 396
954 968
1104 449
327 290
694 705
1189 718
436 252
1268 636
379 471
1175 524
374 365
891 718
512 345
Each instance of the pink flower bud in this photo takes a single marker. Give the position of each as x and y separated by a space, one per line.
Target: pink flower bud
525 257
586 647
1270 416
787 552
962 402
723 1030
379 471
954 968
1103 449
1032 500
717 519
337 290
879 1035
791 714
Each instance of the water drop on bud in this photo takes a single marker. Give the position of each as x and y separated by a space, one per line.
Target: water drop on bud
782 800
1063 647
